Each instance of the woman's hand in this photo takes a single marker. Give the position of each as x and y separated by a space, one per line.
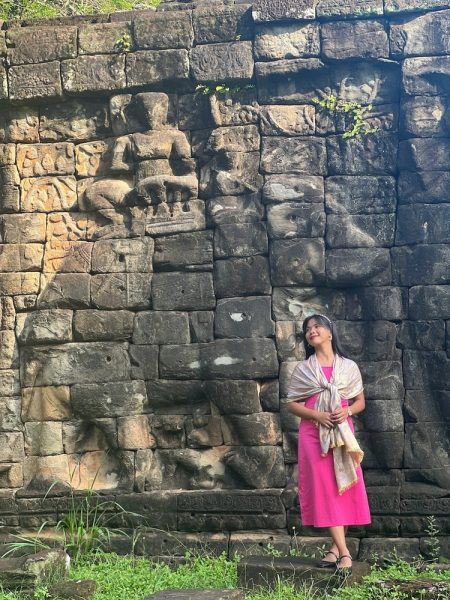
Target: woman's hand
324 418
339 415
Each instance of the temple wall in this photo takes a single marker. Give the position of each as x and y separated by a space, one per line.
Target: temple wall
160 246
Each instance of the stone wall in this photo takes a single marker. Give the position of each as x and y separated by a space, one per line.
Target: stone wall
160 248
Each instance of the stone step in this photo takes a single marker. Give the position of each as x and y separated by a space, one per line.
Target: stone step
26 572
266 571
197 595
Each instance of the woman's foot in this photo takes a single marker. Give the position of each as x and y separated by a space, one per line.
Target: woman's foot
330 560
344 564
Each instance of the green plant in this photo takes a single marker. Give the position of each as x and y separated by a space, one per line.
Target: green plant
220 89
433 543
27 545
35 9
124 43
356 111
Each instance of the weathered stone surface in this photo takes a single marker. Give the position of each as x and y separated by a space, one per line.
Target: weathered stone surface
424 116
63 290
144 361
245 239
422 335
217 62
297 261
382 450
9 199
234 397
71 257
424 154
197 594
203 431
282 10
181 291
9 176
231 173
168 431
370 266
123 256
262 429
349 8
234 209
201 325
396 6
427 76
288 120
11 447
99 325
44 326
35 81
19 124
74 590
286 340
121 398
242 277
192 251
121 290
102 38
294 155
73 121
239 138
411 228
10 419
292 219
373 303
9 383
7 314
148 67
421 264
431 301
354 39
12 284
374 154
282 188
28 45
360 195
93 73
133 433
239 108
20 257
383 379
427 370
370 341
47 194
244 317
161 327
295 303
30 571
7 154
428 444
74 363
3 82
358 231
239 359
177 397
426 187
287 41
11 475
222 24
164 30
43 438
46 403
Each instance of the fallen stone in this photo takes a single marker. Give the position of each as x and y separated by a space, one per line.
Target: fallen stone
27 572
426 588
197 594
74 590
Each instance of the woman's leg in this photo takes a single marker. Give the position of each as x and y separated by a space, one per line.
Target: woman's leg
340 544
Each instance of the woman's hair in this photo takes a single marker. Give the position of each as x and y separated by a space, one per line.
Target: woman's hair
326 322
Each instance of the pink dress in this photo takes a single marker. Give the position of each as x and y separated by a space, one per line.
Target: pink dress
320 503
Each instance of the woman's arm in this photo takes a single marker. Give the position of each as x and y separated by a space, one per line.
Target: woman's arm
298 409
356 405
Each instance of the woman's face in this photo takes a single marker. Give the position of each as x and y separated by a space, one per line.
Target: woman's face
316 334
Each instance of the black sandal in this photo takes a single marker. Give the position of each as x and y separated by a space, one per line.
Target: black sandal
344 571
329 564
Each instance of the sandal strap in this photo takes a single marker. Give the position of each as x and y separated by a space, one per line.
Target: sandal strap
345 556
333 553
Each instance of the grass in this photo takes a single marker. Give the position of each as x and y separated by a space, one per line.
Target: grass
36 9
133 578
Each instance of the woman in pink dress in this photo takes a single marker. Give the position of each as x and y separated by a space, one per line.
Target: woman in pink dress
325 391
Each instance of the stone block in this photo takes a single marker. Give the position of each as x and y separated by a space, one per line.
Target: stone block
20 257
12 284
240 239
153 543
102 38
177 397
430 301
73 121
383 416
44 326
294 219
67 256
288 120
46 403
237 108
421 154
34 82
359 266
230 174
48 194
234 209
8 344
75 363
7 314
349 8
121 290
426 76
25 302
295 40
295 303
11 447
374 154
294 155
201 325
194 112
3 82
9 176
242 277
405 6
144 361
359 231
369 341
64 290
11 475
93 73
428 443
43 438
222 62
421 264
244 461
373 303
424 116
100 325
161 327
94 159
249 358
282 188
133 433
411 229
168 431
99 400
261 429
10 199
343 40
10 419
382 450
7 154
270 395
422 335
283 10
286 340
89 436
222 24
190 251
202 594
297 261
360 195
20 124
238 138
426 370
123 256
244 317
383 379
156 68
234 397
9 383
45 159
164 30
203 431
183 291
28 45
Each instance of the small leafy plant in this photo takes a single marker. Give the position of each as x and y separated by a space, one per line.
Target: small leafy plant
356 111
433 543
220 89
124 43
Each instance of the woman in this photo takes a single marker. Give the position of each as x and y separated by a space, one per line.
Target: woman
325 391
